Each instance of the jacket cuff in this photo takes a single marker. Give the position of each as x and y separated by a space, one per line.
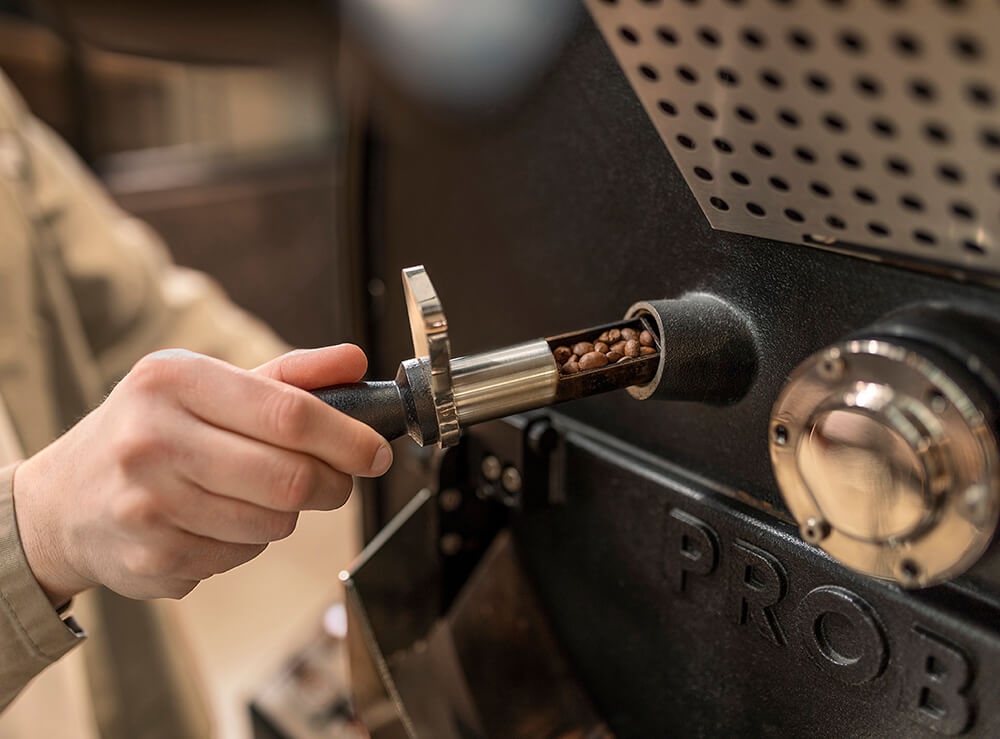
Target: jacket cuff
32 634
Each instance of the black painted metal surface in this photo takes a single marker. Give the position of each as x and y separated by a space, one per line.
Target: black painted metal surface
563 214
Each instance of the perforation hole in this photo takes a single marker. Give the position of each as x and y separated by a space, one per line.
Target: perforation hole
980 94
762 150
974 247
629 35
897 166
883 127
850 160
793 215
756 210
877 228
906 44
740 178
835 122
788 118
865 196
727 76
922 90
648 72
990 138
963 211
852 41
818 82
778 183
936 132
820 189
771 79
753 38
805 154
950 173
722 145
719 204
708 36
924 237
703 174
705 111
687 74
667 35
686 141
868 86
912 202
836 222
667 107
967 47
746 114
800 39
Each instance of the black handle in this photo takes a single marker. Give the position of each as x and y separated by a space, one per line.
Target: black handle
379 404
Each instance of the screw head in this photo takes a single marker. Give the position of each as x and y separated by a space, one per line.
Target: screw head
491 468
831 367
451 544
511 480
450 499
814 529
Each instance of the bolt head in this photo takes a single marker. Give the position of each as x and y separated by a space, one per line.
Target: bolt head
511 480
491 468
814 529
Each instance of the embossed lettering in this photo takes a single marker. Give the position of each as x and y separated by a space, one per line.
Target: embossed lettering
935 682
842 634
756 583
692 547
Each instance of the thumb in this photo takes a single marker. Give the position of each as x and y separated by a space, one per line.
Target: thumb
314 368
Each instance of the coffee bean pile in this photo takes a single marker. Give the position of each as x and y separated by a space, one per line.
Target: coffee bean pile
615 345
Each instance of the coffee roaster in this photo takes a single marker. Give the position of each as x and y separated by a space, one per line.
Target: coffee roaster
801 540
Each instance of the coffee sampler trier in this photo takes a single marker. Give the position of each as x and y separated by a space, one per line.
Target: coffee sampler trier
702 350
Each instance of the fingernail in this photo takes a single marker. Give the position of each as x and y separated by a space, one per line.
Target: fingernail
382 461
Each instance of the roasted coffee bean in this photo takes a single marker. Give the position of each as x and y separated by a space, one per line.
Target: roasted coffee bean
601 347
604 338
613 336
570 368
632 348
614 356
646 350
629 333
562 354
593 360
583 347
646 338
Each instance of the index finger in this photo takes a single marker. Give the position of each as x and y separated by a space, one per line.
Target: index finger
275 413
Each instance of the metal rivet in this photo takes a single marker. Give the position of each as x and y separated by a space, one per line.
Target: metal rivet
451 544
814 529
939 404
491 468
450 500
831 367
780 435
511 480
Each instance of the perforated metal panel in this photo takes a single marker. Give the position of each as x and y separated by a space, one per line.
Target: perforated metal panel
864 125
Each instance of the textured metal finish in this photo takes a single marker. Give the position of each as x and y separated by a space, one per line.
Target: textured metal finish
870 127
886 462
504 381
429 329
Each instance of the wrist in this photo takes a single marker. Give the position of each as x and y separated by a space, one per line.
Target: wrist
41 537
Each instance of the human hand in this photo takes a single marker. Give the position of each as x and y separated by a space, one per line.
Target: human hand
189 468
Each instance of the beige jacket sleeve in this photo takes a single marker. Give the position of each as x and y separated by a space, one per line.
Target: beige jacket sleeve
32 634
112 293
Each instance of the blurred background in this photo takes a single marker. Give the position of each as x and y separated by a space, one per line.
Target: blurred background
228 146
